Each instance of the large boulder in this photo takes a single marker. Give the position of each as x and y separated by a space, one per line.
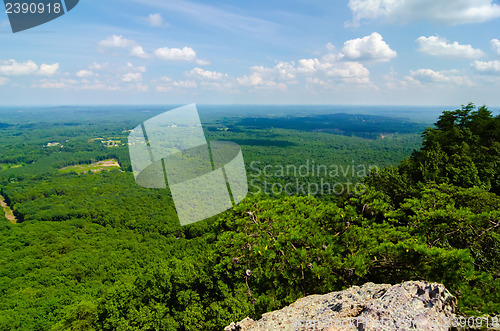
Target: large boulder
415 305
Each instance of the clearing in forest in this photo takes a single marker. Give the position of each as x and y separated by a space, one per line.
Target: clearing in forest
94 167
8 212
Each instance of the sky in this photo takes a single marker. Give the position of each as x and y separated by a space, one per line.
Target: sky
339 52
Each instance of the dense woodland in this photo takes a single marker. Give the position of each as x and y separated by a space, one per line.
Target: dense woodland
94 251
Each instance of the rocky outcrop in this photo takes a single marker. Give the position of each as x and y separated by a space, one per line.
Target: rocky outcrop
414 305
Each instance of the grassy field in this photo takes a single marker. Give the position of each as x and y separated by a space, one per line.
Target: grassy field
94 167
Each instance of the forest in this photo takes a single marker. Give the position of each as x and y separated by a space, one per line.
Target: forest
91 250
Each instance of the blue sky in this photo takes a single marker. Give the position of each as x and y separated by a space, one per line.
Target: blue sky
363 52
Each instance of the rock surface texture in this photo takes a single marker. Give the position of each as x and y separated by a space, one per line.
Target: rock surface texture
414 305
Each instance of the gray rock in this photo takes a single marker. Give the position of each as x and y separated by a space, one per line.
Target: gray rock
414 305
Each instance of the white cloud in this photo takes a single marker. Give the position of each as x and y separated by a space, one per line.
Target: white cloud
352 72
372 47
315 81
431 76
495 45
205 74
438 46
285 71
164 53
132 77
258 81
346 71
131 67
98 66
166 79
52 84
393 82
93 85
85 73
118 42
139 52
56 84
48 69
254 79
486 67
14 68
450 12
185 84
276 77
308 66
202 62
3 80
115 41
155 20
176 54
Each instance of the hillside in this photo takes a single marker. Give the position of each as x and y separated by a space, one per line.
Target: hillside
94 251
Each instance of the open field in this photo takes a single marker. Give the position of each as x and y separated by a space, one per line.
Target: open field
94 167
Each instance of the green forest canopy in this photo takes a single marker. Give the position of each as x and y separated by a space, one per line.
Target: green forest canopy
96 252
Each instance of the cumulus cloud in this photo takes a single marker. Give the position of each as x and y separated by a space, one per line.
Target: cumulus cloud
166 84
118 42
486 67
131 67
276 77
393 82
139 52
346 71
206 74
431 76
85 73
48 69
98 66
258 81
254 79
14 68
352 72
285 71
132 77
438 46
164 53
450 12
3 80
372 47
308 66
495 45
115 41
176 54
155 20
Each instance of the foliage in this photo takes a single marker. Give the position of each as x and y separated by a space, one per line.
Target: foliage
94 251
